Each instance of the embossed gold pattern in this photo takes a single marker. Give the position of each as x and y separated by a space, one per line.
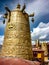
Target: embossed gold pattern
17 41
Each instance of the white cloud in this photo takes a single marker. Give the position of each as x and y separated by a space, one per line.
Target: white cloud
43 25
33 42
1 24
39 7
1 15
1 39
42 37
41 32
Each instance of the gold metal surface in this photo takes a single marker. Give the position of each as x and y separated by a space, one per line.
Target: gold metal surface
44 47
17 41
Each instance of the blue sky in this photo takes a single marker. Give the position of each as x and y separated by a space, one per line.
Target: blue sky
40 28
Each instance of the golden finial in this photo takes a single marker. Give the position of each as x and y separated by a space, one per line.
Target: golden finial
18 6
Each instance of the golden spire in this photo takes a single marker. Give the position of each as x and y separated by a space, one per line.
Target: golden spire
44 47
37 44
17 41
18 6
